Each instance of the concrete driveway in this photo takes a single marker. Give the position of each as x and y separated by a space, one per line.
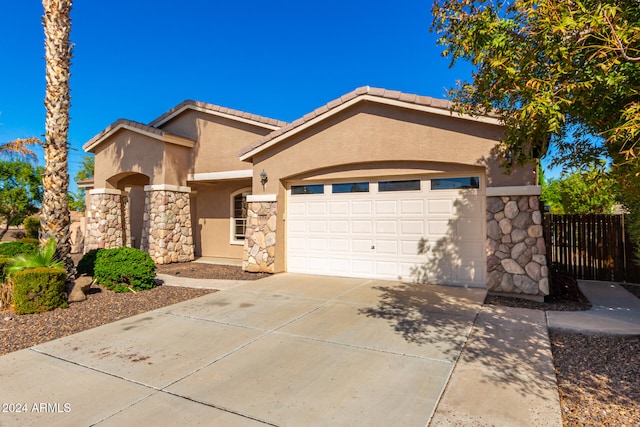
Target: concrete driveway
288 350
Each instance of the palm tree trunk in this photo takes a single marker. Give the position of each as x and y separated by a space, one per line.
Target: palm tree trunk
56 220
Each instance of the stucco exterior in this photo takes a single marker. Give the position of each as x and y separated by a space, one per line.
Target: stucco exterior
205 155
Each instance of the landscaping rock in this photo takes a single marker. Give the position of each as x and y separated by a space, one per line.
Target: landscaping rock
78 289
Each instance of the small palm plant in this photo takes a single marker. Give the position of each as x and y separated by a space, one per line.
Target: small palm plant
45 256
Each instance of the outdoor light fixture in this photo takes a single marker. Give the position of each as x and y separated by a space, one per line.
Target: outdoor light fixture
263 178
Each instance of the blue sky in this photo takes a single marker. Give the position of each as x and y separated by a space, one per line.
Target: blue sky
280 59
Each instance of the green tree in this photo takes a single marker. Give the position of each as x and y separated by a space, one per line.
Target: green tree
76 201
56 219
20 192
86 168
549 69
561 73
581 192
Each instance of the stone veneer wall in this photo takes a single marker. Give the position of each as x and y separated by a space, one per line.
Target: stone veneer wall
166 234
106 221
516 261
260 237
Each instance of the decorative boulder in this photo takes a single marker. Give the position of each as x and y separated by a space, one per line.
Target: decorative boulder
78 289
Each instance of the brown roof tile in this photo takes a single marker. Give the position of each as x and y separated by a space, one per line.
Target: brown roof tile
219 109
130 124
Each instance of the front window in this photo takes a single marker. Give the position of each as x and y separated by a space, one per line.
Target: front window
239 218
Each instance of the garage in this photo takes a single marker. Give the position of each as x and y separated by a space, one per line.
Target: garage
428 229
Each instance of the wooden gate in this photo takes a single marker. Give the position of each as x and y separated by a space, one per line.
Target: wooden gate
591 247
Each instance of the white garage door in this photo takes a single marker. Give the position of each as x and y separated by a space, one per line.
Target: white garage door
429 230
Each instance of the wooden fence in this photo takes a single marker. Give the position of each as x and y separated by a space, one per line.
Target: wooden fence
591 247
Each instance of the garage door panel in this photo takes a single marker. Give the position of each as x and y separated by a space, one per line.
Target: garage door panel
362 227
387 227
412 207
388 269
438 228
362 267
386 207
440 206
339 245
339 265
386 247
297 244
359 207
410 247
339 226
297 226
339 208
316 208
317 226
412 227
317 245
361 246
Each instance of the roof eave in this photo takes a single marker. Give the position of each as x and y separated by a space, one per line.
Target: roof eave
248 153
164 137
203 109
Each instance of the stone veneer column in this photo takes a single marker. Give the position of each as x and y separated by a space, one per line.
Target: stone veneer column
260 234
106 219
516 261
166 231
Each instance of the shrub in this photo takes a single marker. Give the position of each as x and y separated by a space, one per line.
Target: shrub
87 262
17 247
124 269
38 289
44 256
32 227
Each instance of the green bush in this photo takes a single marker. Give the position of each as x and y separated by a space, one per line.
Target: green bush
38 289
32 227
18 247
87 262
124 269
4 261
45 256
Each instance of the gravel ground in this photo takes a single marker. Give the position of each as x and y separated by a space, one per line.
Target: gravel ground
598 376
101 306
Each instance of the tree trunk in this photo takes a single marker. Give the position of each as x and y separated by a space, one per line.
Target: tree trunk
56 219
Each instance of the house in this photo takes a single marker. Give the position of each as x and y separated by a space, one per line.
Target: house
377 183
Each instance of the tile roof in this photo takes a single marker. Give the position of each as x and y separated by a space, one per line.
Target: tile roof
132 125
363 91
215 109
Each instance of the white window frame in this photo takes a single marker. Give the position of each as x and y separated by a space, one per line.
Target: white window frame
233 219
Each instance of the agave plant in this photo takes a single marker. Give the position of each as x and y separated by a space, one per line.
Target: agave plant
45 256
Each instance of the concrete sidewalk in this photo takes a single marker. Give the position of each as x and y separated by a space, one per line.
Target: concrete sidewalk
615 311
293 350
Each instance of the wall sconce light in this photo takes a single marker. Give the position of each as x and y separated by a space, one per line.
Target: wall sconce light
263 178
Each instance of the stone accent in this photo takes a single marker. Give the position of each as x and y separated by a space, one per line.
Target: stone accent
166 232
106 222
260 237
516 261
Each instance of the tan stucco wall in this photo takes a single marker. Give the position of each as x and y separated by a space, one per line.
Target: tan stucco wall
374 133
373 140
218 140
212 226
129 152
